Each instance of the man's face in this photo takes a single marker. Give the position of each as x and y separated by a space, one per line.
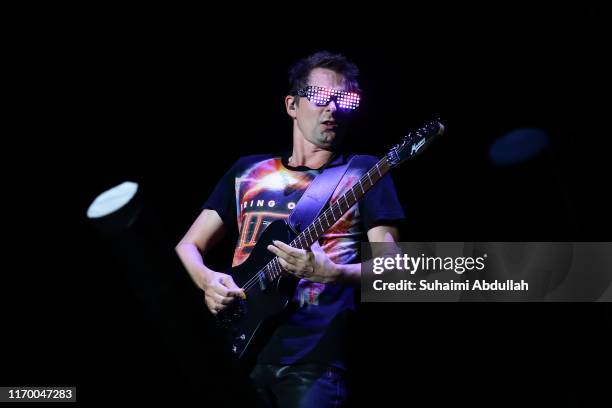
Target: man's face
322 126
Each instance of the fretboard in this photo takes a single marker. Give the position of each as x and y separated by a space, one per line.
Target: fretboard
331 215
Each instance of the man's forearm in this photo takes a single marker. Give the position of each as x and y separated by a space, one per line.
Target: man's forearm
192 260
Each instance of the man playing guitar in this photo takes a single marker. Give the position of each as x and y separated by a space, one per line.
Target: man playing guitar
303 363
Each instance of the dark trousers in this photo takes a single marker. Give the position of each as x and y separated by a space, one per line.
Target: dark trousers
300 385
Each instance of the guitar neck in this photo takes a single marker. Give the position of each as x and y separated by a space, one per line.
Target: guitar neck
340 206
332 214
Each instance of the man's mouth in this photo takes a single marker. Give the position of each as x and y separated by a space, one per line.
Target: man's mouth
330 123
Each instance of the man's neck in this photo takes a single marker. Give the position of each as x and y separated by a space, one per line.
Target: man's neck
307 154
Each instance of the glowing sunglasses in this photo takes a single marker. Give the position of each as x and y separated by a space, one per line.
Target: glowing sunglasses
321 96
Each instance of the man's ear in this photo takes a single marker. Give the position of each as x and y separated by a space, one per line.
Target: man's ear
291 106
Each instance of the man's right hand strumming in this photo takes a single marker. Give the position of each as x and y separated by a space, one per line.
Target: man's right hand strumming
220 291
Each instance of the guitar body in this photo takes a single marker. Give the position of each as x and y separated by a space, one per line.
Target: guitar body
250 322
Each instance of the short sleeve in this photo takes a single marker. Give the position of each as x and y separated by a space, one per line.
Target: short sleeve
223 198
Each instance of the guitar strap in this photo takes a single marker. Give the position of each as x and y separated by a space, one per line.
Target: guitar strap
316 196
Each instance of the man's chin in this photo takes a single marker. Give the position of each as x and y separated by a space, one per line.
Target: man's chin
327 140
334 138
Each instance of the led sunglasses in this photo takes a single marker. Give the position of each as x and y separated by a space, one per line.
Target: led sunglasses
321 96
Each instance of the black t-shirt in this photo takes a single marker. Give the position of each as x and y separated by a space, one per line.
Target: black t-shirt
258 190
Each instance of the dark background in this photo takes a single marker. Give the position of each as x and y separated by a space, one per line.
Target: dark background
171 104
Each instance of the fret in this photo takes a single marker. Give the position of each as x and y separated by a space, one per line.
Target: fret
326 220
333 208
318 222
354 193
272 269
364 184
303 240
348 200
330 213
377 169
308 230
314 228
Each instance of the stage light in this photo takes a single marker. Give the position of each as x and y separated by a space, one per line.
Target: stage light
116 209
518 146
112 200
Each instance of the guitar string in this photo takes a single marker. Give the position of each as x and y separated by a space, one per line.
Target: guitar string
253 281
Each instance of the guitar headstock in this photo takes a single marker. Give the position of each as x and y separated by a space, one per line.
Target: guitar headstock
414 143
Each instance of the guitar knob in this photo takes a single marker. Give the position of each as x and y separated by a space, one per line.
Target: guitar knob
242 337
235 349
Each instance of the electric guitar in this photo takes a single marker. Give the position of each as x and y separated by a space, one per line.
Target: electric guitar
269 289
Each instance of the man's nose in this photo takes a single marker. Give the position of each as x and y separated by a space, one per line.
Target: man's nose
331 106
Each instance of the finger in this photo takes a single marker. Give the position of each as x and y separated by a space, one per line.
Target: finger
281 254
229 283
286 266
223 292
216 298
227 300
237 293
295 252
212 306
220 290
316 247
233 289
